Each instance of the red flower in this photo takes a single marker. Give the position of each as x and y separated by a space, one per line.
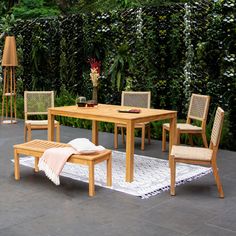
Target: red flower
95 64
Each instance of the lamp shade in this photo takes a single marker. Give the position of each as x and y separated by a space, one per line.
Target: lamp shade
9 57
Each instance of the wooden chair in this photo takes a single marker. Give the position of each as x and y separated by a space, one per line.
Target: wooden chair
198 110
134 99
199 155
37 103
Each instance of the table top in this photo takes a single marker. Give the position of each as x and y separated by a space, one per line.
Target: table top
104 112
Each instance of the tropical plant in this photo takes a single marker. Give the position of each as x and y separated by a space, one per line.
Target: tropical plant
7 23
34 8
3 7
121 67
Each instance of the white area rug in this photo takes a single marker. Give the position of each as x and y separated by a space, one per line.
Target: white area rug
152 175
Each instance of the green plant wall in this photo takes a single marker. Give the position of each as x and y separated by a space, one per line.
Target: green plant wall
172 51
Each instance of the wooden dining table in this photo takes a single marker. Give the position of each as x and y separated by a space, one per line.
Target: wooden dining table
111 113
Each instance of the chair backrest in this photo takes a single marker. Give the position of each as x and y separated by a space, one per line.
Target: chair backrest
37 102
136 99
198 108
217 128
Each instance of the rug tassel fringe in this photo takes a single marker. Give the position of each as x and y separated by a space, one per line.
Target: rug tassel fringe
158 191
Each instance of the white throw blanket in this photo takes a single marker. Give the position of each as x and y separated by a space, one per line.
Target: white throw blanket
54 159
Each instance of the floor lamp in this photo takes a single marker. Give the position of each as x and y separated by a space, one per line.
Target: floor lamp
9 62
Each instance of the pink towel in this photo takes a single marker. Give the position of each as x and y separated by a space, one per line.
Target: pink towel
53 161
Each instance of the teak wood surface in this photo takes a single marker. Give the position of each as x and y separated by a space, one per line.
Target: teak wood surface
37 147
109 113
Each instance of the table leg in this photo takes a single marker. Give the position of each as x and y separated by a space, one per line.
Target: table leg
130 151
95 132
50 126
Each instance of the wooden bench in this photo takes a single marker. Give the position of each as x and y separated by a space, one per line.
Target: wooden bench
37 147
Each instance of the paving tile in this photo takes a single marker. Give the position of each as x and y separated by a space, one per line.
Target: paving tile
209 230
84 223
226 219
135 227
178 215
35 206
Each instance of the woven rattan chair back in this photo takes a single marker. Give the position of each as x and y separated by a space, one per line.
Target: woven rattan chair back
198 107
136 99
217 128
198 111
38 102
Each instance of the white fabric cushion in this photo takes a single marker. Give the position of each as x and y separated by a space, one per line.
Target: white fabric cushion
184 126
38 122
84 146
191 153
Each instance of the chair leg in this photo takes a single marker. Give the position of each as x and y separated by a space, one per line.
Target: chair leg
25 133
204 139
178 136
123 135
115 136
29 133
163 139
190 136
109 171
217 179
91 179
172 175
149 134
58 132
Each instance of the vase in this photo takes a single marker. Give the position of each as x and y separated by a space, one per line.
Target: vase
95 94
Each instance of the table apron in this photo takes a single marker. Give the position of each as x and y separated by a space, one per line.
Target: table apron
114 119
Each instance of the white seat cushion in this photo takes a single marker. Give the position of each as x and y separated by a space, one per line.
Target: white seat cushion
184 126
38 122
84 146
191 153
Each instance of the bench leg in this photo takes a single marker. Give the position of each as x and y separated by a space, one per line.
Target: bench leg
36 162
16 165
109 171
91 179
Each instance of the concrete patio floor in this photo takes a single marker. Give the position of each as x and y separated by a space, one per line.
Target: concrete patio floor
34 206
